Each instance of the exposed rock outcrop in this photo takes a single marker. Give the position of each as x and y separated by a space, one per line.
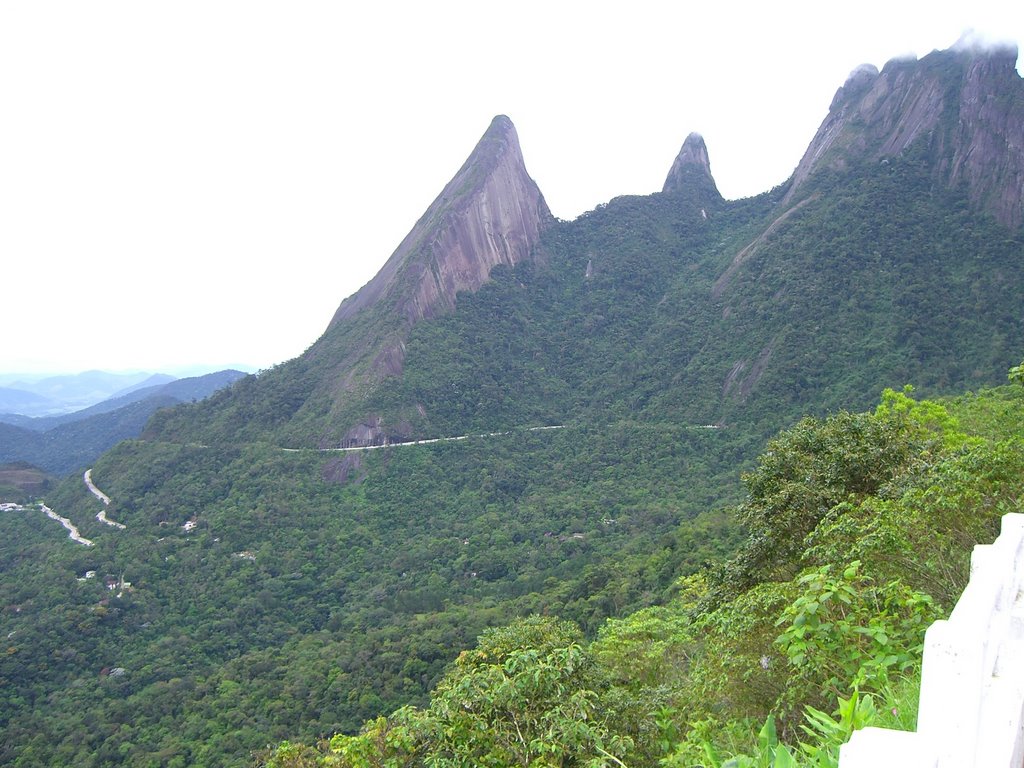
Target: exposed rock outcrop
490 213
691 172
691 162
967 103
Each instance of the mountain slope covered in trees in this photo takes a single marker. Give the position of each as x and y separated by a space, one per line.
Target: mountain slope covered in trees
885 258
860 530
282 587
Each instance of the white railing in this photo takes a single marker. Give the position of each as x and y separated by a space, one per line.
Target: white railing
971 712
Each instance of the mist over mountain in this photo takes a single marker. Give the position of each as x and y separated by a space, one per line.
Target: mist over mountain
52 395
962 108
61 444
586 393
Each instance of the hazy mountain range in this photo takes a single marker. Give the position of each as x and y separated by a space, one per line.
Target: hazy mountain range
55 395
73 439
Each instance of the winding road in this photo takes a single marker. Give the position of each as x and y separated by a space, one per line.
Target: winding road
427 441
73 533
95 491
102 515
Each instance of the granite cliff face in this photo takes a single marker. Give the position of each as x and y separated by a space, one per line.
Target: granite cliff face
490 213
690 174
965 105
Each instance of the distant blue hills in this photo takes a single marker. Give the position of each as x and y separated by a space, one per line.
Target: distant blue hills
40 424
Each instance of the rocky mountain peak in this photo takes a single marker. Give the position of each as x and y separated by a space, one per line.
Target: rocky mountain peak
692 169
490 213
857 83
963 106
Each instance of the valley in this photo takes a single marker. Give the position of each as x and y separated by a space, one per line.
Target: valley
63 443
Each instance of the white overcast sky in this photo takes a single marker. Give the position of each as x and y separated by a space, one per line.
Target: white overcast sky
202 183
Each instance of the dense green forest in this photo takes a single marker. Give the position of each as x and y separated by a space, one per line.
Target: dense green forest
878 279
319 590
256 625
859 532
297 603
581 530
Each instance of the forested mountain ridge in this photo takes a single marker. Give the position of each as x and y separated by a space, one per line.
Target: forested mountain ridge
283 588
911 165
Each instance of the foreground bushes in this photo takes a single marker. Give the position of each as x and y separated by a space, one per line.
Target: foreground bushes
860 528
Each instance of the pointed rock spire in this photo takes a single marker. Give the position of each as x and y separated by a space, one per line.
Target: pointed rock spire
490 213
692 169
